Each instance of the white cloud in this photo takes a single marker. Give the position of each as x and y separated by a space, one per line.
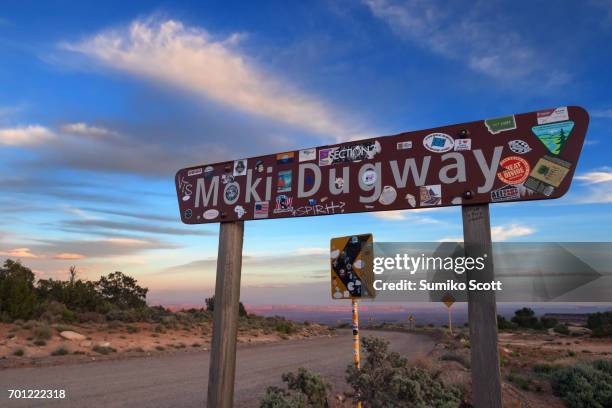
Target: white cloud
602 113
598 185
25 135
193 60
19 253
596 177
68 256
500 233
505 232
84 129
312 251
467 35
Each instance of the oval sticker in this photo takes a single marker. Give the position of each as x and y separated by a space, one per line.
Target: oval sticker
211 214
438 142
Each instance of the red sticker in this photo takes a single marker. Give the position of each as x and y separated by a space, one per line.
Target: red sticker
515 170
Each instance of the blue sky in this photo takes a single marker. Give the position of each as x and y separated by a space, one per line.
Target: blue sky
101 103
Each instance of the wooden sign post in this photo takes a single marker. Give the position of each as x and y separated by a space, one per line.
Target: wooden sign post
482 311
222 369
513 158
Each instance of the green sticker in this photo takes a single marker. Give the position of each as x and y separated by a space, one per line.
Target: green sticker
498 125
554 135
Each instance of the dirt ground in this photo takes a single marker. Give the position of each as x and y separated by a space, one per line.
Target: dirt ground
520 352
21 345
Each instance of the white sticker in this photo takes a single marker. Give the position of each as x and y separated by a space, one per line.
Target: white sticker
404 145
239 210
463 144
387 196
369 177
519 146
240 167
307 154
335 253
438 142
411 200
211 214
194 172
553 115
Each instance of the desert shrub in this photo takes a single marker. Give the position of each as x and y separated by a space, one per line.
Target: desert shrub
525 318
18 352
285 326
60 351
160 348
122 291
386 379
278 398
562 329
304 389
39 342
53 311
600 324
544 369
464 361
210 306
84 317
585 384
503 324
17 293
548 322
103 349
42 331
132 329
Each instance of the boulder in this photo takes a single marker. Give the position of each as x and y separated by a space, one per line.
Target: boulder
71 335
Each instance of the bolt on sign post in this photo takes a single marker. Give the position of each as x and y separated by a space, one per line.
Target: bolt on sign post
449 300
523 157
352 277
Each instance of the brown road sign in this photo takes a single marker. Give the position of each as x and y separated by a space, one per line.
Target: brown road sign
528 156
352 259
448 300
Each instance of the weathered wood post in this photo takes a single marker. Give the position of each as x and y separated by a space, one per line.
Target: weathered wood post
225 316
482 310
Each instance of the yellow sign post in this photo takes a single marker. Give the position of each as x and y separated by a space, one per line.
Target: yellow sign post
352 277
449 300
356 346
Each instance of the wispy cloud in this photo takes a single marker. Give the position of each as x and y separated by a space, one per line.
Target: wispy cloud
68 256
506 232
602 113
596 177
25 135
20 253
598 185
500 233
194 60
85 225
466 34
84 129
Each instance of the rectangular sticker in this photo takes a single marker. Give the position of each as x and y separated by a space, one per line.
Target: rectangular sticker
553 115
307 154
285 158
498 125
261 209
463 144
284 181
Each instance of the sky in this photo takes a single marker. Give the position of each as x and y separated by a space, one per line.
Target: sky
102 102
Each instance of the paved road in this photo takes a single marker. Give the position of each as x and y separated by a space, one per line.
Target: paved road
180 380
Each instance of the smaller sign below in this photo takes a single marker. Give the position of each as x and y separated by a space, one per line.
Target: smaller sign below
448 300
352 263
